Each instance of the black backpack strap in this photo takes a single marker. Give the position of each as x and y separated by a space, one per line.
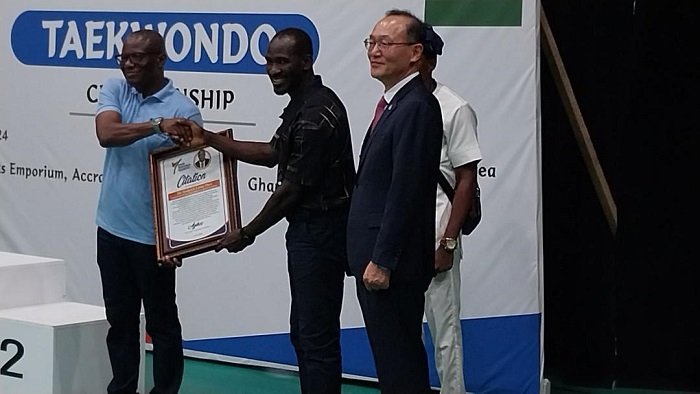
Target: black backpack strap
445 185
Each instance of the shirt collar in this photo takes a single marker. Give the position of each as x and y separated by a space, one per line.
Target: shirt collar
389 94
299 100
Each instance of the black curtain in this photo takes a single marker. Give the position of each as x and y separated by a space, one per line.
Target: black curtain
658 273
623 309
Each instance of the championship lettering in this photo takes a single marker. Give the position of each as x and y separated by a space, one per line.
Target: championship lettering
219 99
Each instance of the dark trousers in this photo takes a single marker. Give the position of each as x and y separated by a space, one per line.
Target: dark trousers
316 264
130 274
394 319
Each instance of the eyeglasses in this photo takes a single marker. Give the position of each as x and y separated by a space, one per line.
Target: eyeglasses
139 58
383 45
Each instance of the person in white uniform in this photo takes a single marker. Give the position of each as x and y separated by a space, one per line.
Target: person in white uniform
458 163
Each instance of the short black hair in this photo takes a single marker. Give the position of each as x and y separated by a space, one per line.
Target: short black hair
414 31
154 39
302 40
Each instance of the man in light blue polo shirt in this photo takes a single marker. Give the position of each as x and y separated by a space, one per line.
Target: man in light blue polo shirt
132 117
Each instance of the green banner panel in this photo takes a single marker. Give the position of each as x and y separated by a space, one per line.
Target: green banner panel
474 12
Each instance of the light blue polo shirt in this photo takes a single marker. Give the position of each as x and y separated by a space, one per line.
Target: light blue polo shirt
125 206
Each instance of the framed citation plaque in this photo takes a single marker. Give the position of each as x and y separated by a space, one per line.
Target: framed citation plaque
195 199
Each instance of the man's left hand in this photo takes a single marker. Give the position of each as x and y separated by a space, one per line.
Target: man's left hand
233 242
376 278
443 260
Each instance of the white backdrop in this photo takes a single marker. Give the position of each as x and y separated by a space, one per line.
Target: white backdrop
50 160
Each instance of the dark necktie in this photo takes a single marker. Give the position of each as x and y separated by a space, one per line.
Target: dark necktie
378 112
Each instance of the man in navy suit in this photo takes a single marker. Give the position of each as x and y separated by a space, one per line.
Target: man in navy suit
391 224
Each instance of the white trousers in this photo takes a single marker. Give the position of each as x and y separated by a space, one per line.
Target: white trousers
442 306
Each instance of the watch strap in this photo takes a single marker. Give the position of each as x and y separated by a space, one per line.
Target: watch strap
155 125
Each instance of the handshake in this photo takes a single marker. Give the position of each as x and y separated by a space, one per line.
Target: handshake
184 132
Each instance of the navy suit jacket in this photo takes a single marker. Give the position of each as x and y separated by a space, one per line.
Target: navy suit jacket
392 212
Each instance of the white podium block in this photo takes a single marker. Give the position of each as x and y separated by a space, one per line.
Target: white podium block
55 348
30 280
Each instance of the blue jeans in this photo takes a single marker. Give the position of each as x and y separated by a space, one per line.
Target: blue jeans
316 263
130 275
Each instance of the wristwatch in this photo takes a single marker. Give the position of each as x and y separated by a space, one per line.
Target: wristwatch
449 244
155 124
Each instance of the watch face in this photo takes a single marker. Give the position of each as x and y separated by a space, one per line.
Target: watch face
449 243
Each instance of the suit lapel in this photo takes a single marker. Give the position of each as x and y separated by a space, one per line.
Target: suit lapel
390 109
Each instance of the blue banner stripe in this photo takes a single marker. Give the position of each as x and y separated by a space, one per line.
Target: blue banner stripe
199 42
502 354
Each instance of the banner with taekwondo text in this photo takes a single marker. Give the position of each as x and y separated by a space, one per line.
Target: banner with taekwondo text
54 55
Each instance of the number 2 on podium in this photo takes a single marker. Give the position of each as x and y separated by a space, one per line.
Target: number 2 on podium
5 369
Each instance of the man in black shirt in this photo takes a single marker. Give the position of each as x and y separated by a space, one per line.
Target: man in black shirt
316 174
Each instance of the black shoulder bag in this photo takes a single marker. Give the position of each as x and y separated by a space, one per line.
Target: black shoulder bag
474 215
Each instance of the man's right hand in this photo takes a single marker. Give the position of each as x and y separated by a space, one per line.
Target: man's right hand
170 262
184 131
